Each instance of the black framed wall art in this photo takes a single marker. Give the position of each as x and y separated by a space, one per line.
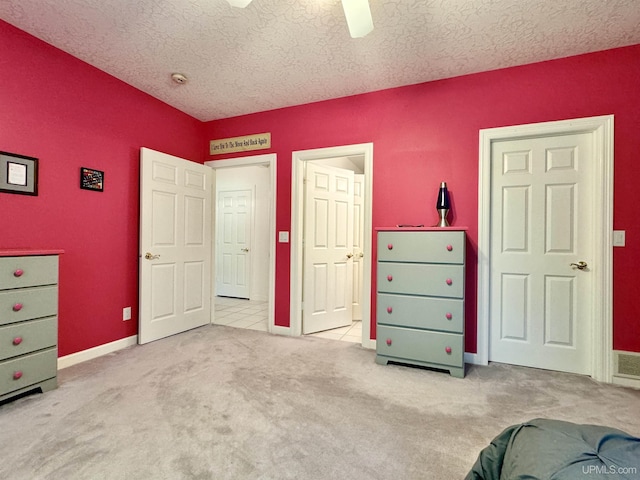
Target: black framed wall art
91 179
18 174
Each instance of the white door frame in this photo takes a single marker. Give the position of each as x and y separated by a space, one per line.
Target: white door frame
270 160
601 130
297 229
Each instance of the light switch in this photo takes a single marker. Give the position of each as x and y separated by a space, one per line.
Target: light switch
618 238
283 237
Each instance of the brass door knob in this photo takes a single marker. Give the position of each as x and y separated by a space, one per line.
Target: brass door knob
579 265
151 256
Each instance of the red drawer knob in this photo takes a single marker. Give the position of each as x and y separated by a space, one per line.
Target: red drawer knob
390 278
449 247
389 309
449 281
449 316
17 375
17 340
18 272
390 246
448 350
17 307
389 342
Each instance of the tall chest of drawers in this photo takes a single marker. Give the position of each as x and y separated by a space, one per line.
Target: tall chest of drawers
28 322
420 298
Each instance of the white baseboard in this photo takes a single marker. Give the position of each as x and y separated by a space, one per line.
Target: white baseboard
626 381
95 352
473 359
278 330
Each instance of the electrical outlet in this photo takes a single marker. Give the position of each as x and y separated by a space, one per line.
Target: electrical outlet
126 313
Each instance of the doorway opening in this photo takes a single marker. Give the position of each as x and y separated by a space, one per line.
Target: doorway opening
243 286
600 130
361 157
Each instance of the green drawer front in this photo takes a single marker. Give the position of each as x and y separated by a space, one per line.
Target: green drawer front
34 368
35 271
406 344
421 247
421 279
24 337
421 312
36 302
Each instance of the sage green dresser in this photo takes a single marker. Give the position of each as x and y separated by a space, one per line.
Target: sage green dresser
420 297
28 322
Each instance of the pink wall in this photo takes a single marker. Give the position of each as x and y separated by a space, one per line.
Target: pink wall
69 114
427 133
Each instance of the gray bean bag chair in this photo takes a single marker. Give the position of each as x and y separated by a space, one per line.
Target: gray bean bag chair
555 450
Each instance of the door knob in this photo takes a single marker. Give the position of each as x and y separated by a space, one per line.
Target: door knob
349 255
245 250
151 256
579 265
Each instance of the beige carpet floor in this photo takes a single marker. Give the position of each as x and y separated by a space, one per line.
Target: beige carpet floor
225 403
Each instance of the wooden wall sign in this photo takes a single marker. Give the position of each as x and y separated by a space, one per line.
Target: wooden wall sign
257 141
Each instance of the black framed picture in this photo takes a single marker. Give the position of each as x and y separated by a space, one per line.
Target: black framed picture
18 174
91 179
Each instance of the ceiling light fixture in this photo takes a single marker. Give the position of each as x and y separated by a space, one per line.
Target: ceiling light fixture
239 3
357 12
358 17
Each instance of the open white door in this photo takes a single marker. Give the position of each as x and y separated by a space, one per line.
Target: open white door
233 261
328 249
175 245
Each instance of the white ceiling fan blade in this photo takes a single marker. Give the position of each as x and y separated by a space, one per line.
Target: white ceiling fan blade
358 17
239 3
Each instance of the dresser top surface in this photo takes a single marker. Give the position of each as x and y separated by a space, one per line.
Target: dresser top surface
420 229
22 252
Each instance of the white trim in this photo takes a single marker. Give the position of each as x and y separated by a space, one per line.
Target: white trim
278 330
626 381
269 159
601 129
297 218
368 342
472 358
95 352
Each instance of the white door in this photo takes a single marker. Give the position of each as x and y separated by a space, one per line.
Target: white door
541 213
175 245
328 248
233 260
358 247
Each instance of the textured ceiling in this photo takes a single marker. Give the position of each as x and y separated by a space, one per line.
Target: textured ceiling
278 53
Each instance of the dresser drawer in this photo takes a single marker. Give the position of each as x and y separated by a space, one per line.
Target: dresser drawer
421 312
28 303
24 337
18 272
27 370
421 279
419 345
421 247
